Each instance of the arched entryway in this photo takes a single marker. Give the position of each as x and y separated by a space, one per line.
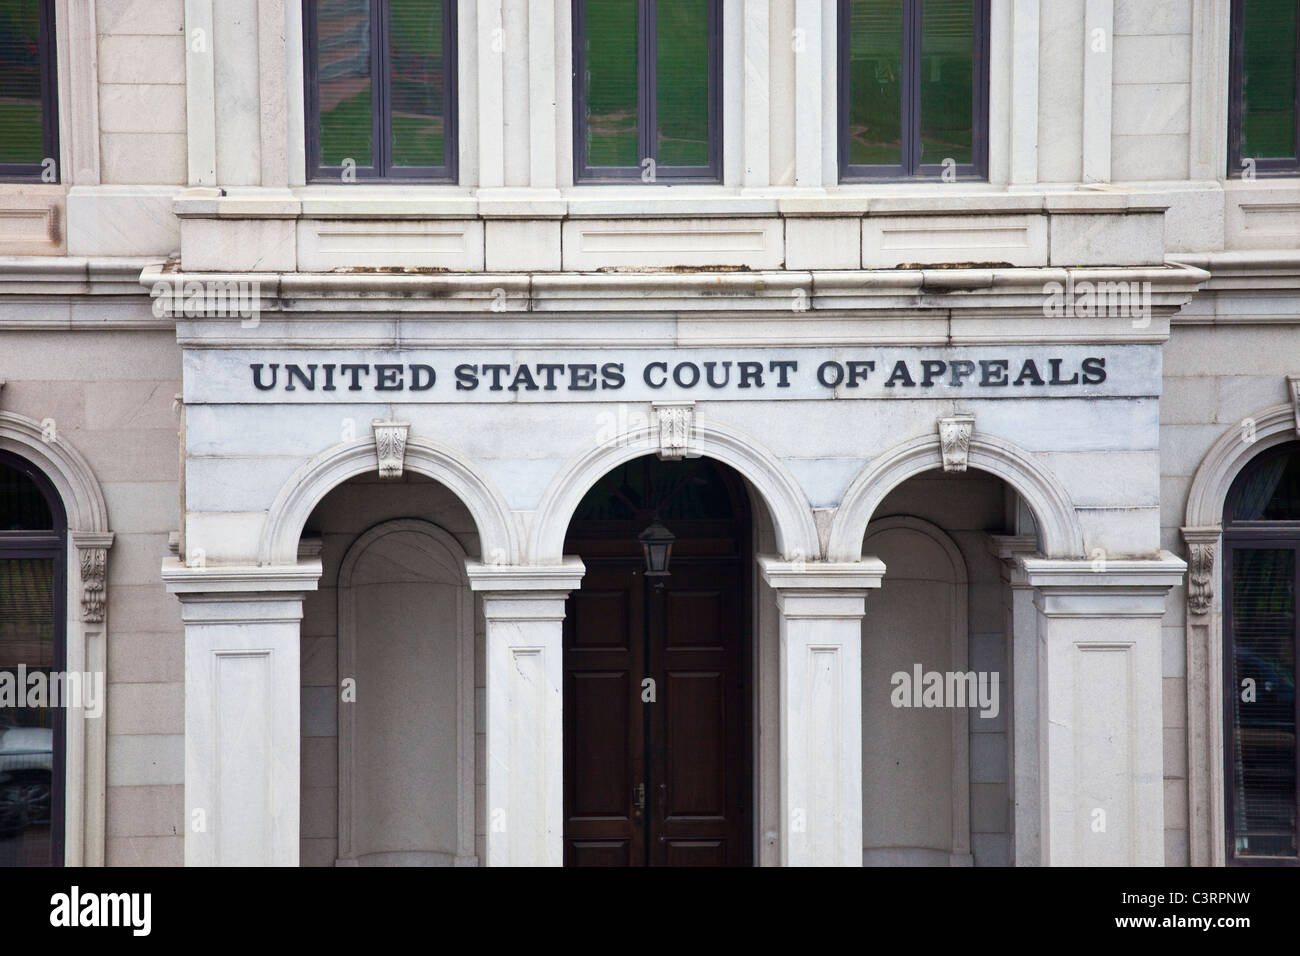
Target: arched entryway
938 669
389 649
658 752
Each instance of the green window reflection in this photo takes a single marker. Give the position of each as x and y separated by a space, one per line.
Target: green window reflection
1268 118
28 99
612 95
381 97
647 90
913 88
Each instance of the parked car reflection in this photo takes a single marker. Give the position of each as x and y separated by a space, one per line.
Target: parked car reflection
26 765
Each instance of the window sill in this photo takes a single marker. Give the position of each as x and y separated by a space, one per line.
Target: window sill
423 201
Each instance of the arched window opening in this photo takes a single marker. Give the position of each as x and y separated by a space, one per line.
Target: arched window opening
33 642
1261 544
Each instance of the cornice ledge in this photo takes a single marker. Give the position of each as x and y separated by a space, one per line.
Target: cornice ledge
239 579
1162 572
566 576
822 575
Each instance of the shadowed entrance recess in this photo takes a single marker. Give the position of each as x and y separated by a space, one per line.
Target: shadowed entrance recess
656 730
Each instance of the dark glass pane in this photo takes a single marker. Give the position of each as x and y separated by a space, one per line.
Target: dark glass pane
947 69
1269 78
343 82
27 740
875 82
1270 490
611 52
22 126
22 506
418 79
1263 652
682 82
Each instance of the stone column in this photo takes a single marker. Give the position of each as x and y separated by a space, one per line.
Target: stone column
821 609
523 610
241 710
1099 708
1022 640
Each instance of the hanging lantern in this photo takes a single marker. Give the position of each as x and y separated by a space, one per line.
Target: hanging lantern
657 546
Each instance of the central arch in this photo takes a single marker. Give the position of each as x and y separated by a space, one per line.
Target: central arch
658 668
796 533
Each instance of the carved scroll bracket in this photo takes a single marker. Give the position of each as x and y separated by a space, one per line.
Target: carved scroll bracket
390 446
954 441
676 423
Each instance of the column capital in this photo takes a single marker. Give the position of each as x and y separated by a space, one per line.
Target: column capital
1127 587
1008 549
821 575
239 595
560 578
198 583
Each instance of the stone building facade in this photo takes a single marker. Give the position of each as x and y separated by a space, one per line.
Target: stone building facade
355 467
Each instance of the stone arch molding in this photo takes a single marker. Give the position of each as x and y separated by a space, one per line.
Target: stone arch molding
315 479
796 533
1060 534
1202 534
63 465
1227 456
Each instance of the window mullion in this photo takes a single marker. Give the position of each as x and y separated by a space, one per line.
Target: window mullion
648 17
380 121
912 86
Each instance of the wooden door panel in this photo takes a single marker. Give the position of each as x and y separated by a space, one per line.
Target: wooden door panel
604 735
600 853
698 744
689 746
600 729
694 621
696 853
696 769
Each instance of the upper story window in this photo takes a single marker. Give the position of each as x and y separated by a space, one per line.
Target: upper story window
913 89
647 90
29 114
1263 128
380 89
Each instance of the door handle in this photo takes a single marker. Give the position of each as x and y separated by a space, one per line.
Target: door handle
638 797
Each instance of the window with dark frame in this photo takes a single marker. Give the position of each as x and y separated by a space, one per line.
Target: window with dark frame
1264 89
913 89
647 90
29 101
1261 578
380 90
33 631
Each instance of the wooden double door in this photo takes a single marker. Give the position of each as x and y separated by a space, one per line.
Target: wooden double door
657 747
